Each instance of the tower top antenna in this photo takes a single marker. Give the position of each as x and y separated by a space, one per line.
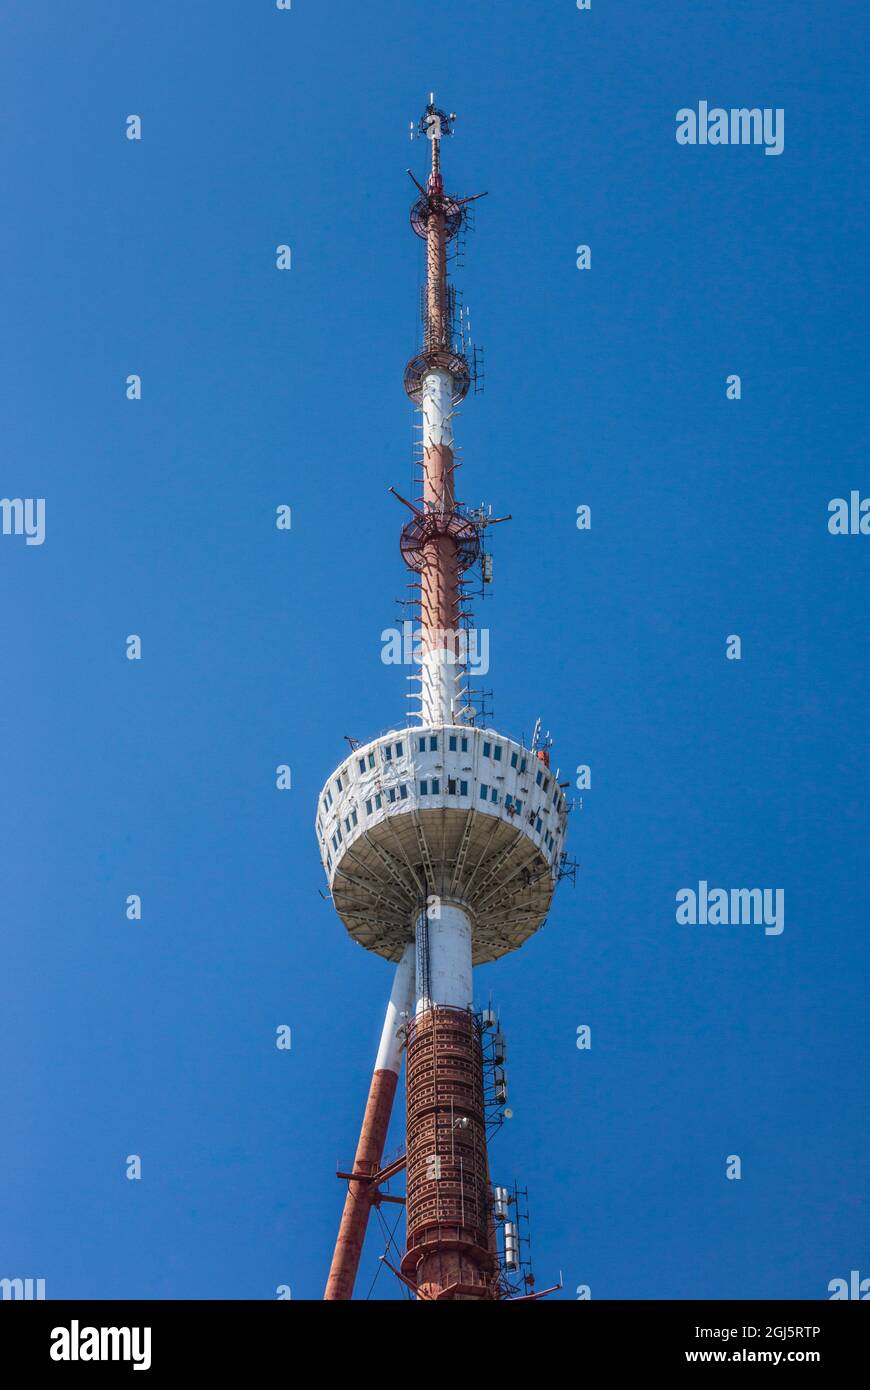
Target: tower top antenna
434 123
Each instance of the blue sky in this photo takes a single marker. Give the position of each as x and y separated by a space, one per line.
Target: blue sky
260 647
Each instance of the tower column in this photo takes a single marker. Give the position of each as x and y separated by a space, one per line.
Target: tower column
448 1249
444 964
449 1252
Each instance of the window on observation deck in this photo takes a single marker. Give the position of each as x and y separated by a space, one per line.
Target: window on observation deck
362 764
463 789
484 791
493 796
433 743
514 759
369 807
452 742
424 788
403 792
436 786
487 749
496 752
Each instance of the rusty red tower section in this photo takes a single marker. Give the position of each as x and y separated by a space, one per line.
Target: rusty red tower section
451 1251
442 841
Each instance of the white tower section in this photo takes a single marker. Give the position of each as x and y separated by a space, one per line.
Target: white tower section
444 951
401 1003
440 662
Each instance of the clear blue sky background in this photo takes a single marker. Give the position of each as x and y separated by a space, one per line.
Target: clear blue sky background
260 647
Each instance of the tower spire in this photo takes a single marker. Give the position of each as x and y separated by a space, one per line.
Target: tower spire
441 541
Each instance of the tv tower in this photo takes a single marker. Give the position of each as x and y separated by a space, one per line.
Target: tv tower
442 841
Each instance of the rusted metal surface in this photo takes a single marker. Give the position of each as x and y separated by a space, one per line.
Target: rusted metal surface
448 1252
357 1205
437 325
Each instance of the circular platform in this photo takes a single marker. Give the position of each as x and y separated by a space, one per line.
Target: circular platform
460 813
438 360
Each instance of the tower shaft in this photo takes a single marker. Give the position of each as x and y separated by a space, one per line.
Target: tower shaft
448 1254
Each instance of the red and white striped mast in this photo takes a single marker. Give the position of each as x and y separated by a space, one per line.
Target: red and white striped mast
442 541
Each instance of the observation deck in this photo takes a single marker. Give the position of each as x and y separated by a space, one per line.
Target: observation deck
458 812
